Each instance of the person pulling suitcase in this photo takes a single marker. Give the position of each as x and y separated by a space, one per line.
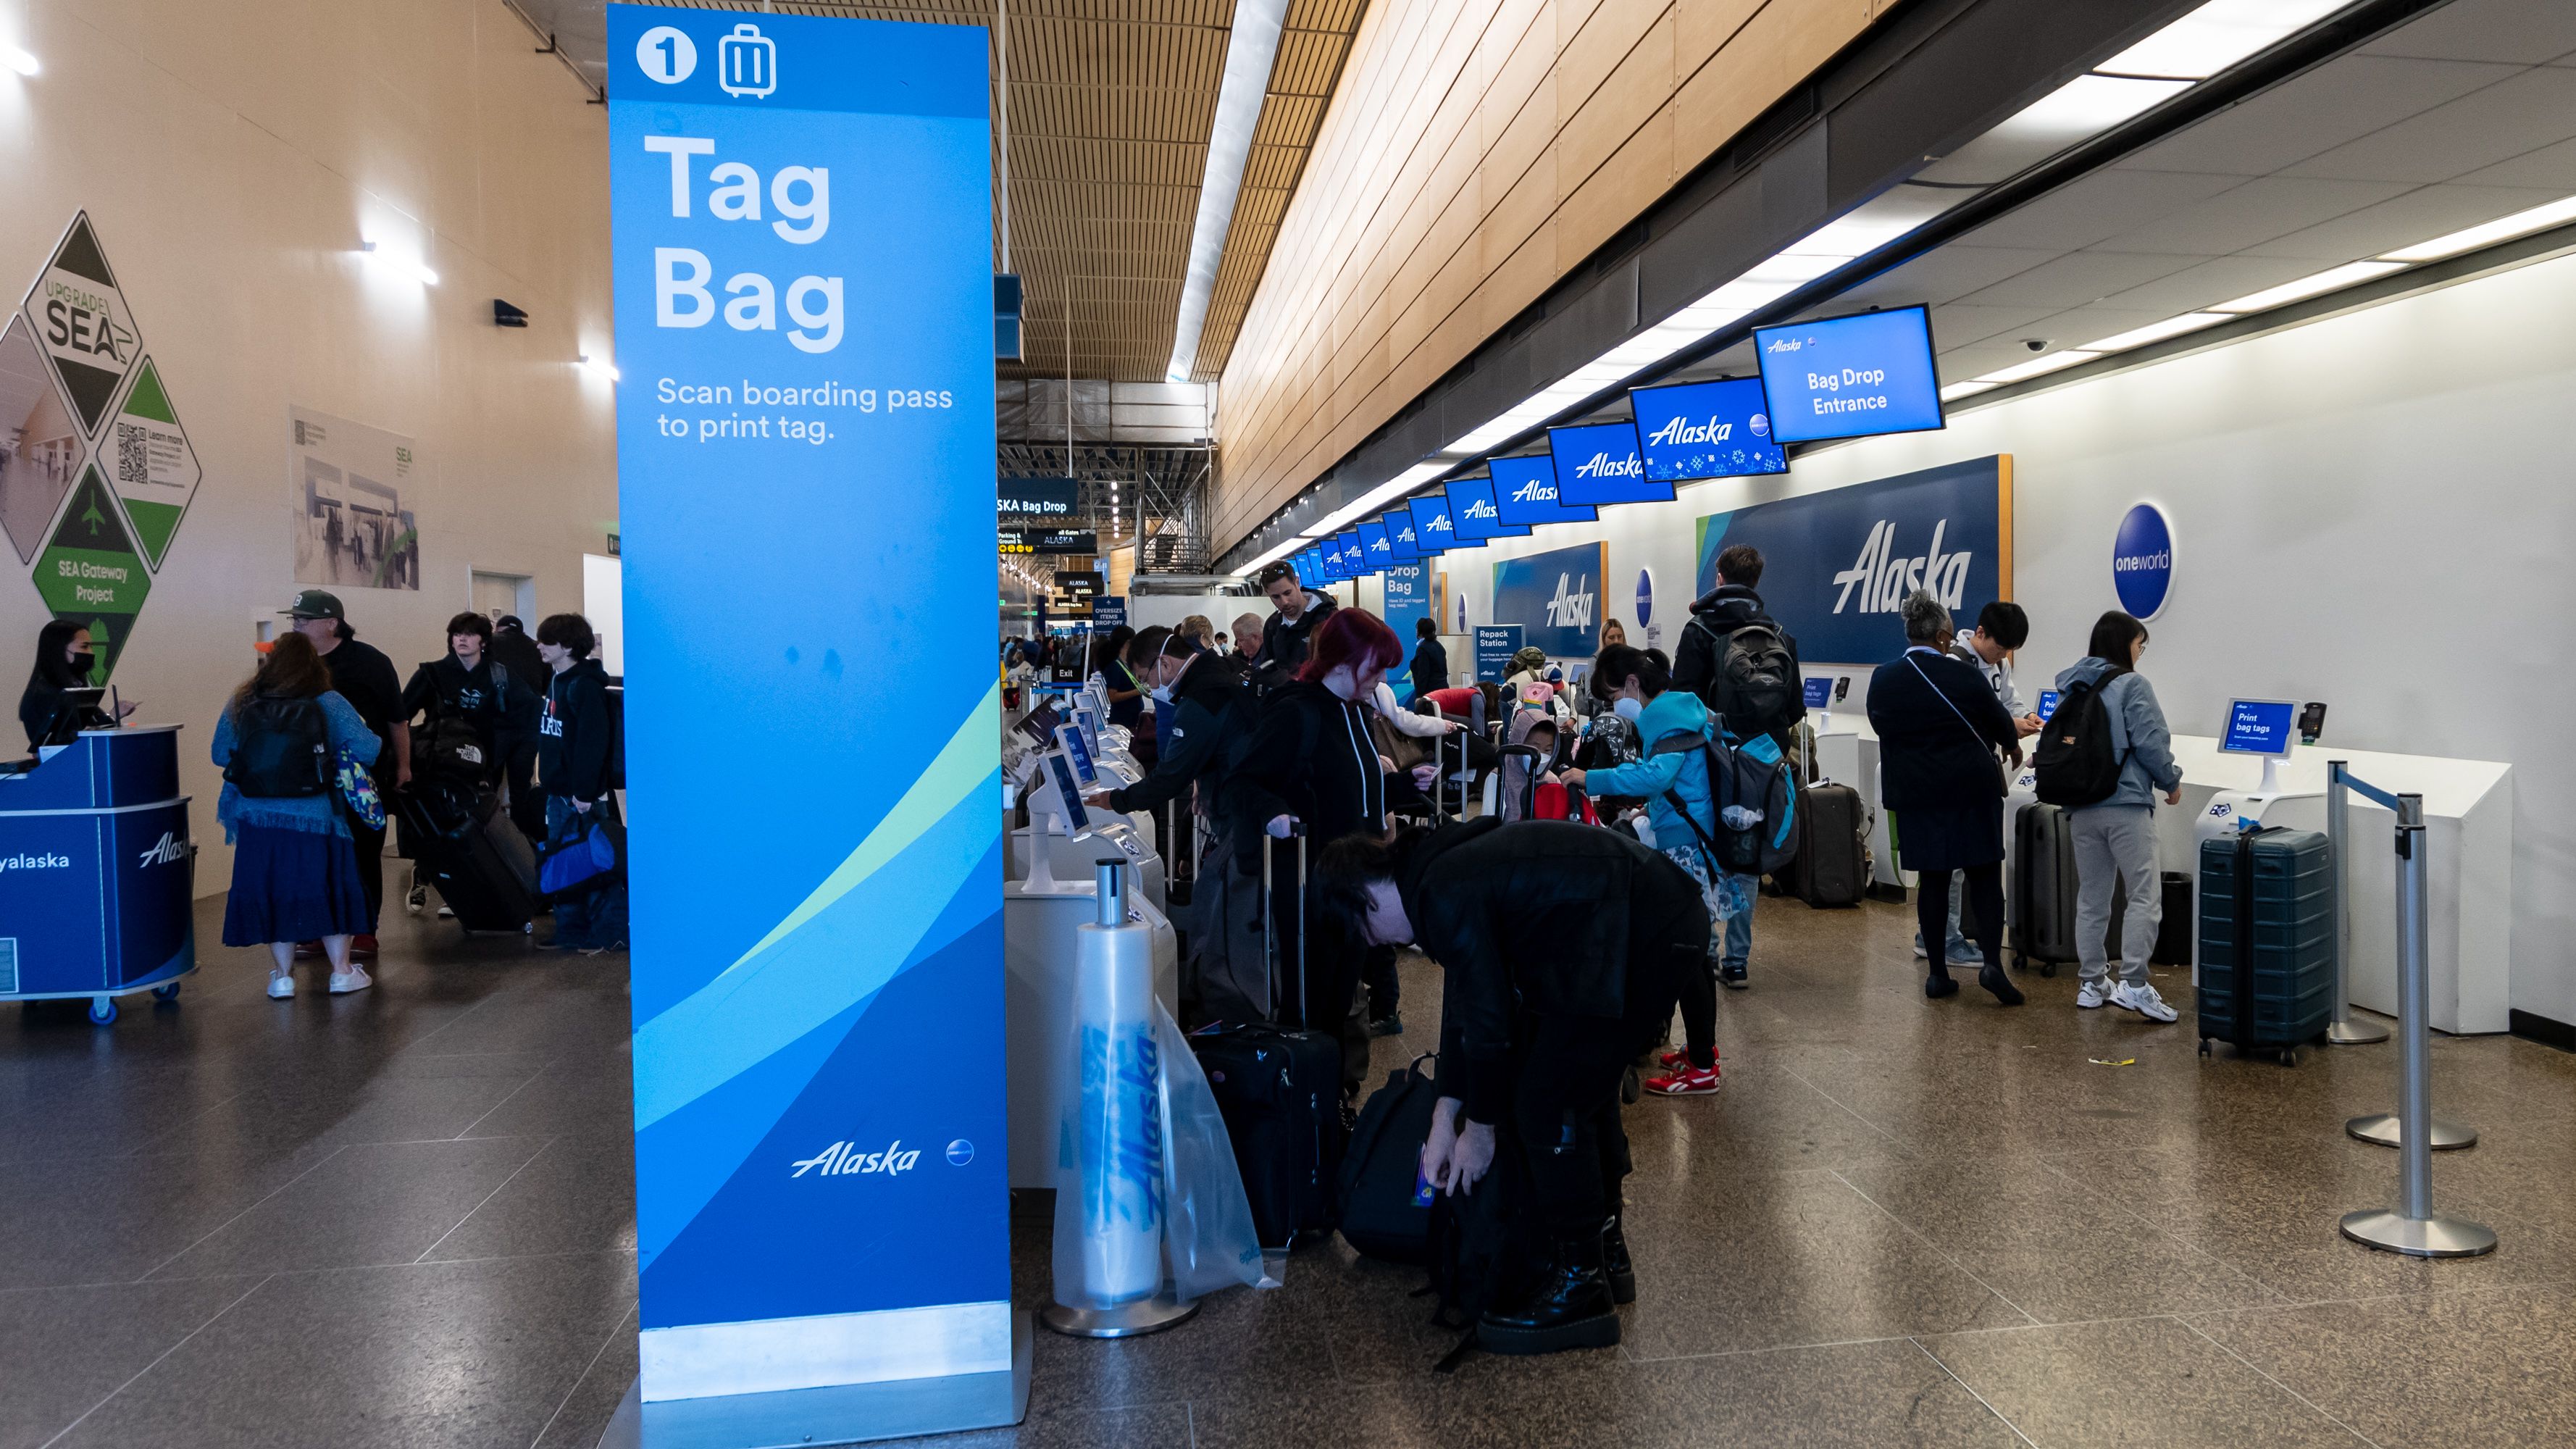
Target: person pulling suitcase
1562 950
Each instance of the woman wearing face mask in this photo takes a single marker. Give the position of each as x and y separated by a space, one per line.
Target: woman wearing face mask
63 662
1310 761
1675 786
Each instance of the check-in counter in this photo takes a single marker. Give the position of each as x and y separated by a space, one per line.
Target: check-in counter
97 872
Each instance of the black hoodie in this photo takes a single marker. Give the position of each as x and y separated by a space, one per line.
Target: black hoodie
1311 757
1714 615
573 733
1212 705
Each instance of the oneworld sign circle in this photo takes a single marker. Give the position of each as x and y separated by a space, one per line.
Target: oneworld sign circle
2142 560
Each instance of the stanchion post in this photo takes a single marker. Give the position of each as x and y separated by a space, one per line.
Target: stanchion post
2343 1030
2412 1227
2414 1016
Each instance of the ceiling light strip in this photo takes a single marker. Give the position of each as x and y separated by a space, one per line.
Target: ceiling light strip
1249 54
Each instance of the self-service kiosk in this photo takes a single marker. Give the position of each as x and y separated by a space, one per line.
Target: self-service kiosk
1042 915
1073 849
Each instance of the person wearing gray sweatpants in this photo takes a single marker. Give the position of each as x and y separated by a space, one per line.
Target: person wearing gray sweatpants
2115 838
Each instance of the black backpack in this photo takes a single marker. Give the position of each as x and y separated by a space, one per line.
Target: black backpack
1753 685
2074 764
1379 1215
281 748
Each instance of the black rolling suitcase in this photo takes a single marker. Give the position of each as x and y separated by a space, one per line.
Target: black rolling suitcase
465 846
2041 906
2173 928
1832 865
1279 1090
2267 941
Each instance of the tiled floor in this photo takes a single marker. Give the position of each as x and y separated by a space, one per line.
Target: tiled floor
406 1219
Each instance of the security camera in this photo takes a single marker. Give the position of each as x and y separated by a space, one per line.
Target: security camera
2036 344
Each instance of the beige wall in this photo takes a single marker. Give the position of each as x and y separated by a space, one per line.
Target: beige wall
231 153
1475 153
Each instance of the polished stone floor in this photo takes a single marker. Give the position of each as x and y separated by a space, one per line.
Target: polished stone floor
405 1218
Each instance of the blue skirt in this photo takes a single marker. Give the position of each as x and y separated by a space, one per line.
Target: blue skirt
1950 837
292 885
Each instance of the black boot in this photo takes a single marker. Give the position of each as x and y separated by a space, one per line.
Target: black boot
1570 1309
1939 984
1615 1266
1991 976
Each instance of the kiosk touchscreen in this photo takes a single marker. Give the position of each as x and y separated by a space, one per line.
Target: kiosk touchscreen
1820 691
1080 751
1077 820
2264 727
2047 703
1039 724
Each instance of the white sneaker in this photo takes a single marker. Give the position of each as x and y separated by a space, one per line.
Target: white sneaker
2092 995
281 985
1919 953
357 979
2143 1000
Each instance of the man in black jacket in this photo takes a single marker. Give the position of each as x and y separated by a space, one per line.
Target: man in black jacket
362 675
1210 703
1562 949
515 651
474 690
1286 638
576 747
1699 653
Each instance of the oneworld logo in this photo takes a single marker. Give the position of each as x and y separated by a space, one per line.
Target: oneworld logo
1602 465
1572 606
1881 577
841 1159
168 850
1680 431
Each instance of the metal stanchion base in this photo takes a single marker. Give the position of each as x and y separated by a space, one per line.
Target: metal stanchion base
2381 1129
2355 1033
2435 1237
1127 1320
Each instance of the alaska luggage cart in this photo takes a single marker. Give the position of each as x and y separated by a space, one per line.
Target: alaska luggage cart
2267 941
97 873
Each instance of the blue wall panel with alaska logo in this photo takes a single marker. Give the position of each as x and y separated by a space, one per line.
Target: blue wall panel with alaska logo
1836 564
1555 597
801 223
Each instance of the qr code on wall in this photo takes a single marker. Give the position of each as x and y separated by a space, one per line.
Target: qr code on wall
133 454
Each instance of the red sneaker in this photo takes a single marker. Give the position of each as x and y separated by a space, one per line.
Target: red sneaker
1685 1081
307 950
1674 1058
363 946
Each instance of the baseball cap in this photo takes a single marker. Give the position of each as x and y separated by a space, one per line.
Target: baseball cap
315 604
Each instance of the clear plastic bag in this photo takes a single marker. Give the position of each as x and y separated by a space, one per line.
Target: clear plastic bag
1208 1237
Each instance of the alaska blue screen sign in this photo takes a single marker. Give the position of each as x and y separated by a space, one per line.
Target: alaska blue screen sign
1597 463
1850 377
1375 548
2142 560
800 225
1473 514
1718 429
1431 531
1525 492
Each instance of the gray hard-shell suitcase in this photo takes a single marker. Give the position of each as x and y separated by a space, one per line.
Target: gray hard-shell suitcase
2267 941
2041 905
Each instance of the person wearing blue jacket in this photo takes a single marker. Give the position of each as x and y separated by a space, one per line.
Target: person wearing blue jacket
1671 783
2115 838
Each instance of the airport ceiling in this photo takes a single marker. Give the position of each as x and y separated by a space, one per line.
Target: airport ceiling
1109 110
2459 117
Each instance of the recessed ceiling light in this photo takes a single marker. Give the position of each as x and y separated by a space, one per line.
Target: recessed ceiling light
2310 286
2216 36
22 62
1958 390
2503 228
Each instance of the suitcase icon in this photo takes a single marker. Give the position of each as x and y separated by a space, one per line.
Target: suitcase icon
747 62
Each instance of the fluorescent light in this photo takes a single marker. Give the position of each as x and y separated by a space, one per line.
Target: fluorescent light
2325 281
2084 105
1958 390
1376 499
22 62
2216 36
2157 331
2020 371
1249 52
2505 228
399 266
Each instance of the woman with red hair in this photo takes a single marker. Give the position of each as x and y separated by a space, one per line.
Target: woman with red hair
1310 761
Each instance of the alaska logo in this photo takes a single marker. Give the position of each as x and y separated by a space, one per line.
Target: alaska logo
841 1159
169 850
1482 509
1882 577
1404 536
1534 491
1439 524
1572 606
1381 546
1680 431
1601 465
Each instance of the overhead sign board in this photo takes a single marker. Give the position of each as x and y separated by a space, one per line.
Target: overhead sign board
1719 429
1038 497
1473 514
1525 492
1598 463
1431 531
1851 377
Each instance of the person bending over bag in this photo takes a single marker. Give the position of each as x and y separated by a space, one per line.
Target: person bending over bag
1563 948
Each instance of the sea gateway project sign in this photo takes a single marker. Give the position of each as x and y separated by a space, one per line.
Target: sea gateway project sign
801 224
